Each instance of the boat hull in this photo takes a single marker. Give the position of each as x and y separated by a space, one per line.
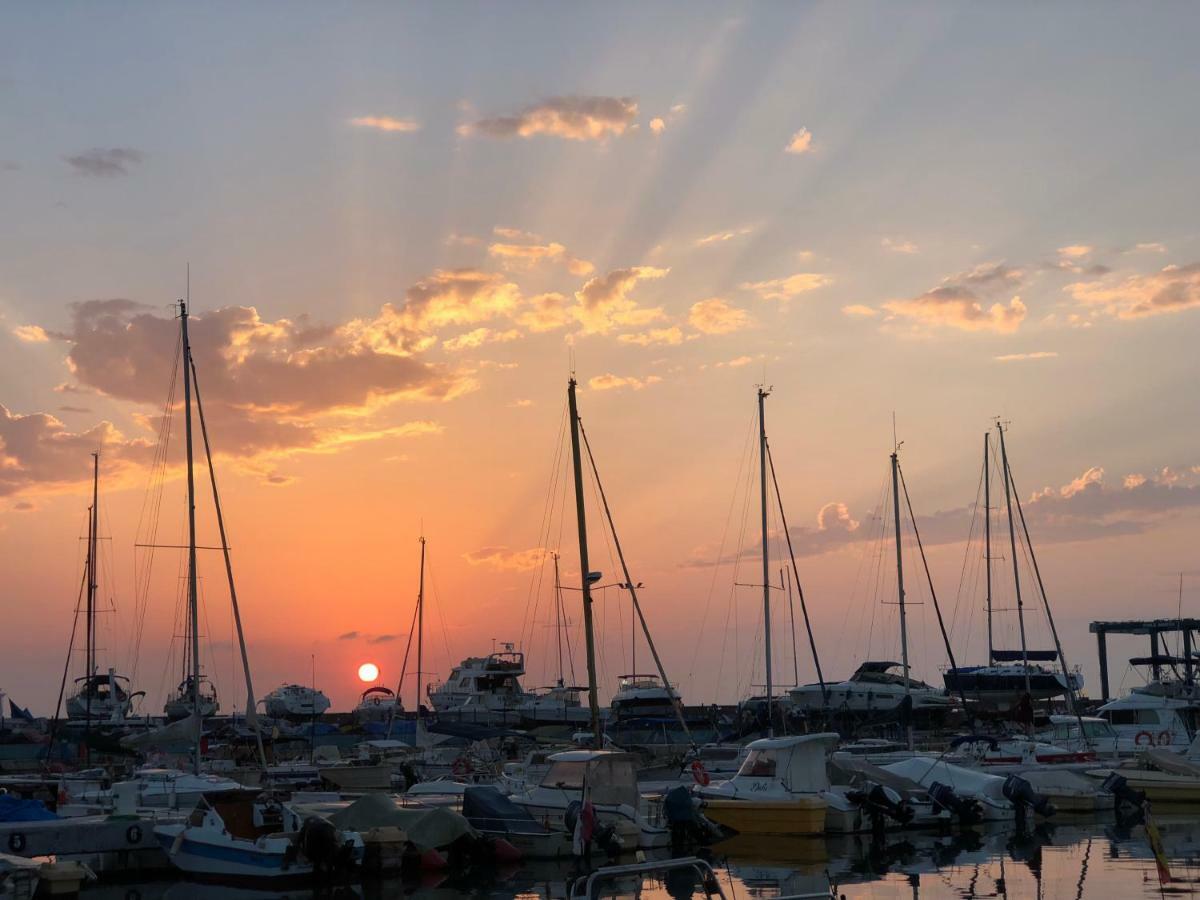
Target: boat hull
802 816
1159 787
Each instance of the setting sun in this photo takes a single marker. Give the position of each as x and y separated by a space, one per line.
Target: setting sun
368 672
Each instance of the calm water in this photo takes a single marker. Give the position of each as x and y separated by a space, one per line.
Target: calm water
1068 861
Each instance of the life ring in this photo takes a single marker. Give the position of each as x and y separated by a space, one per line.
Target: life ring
133 834
700 774
1164 738
461 766
1148 742
16 842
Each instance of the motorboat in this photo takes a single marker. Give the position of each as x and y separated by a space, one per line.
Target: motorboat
240 836
1003 683
482 689
779 788
556 705
295 701
1143 720
1098 734
874 687
377 704
1162 775
102 698
995 798
181 704
643 696
609 779
870 798
90 793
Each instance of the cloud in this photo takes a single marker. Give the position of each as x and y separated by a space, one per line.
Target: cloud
1020 357
1150 247
605 302
515 234
30 334
610 382
720 237
860 311
480 336
502 559
275 479
74 409
836 516
801 142
665 336
386 123
956 303
382 638
657 125
105 163
521 403
523 257
784 289
736 363
349 636
572 118
1170 290
24 506
717 316
900 246
1075 251
546 312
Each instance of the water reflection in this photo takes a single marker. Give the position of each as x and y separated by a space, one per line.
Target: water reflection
1071 861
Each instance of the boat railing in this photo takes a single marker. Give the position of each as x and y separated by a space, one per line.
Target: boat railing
588 887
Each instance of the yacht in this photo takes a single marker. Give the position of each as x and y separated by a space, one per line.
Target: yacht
102 698
874 687
483 689
1143 720
180 704
1001 684
643 696
557 705
295 701
377 704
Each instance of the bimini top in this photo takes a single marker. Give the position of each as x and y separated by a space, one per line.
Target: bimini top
796 763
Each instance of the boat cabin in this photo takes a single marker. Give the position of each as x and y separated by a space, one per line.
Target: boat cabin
787 765
610 776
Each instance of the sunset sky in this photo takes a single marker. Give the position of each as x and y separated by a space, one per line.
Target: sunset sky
406 224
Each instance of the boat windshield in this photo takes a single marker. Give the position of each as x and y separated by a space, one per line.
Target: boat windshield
565 776
759 764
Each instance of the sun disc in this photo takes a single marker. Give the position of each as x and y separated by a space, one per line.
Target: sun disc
368 672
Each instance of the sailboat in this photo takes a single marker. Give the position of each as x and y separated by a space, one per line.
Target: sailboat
1010 675
560 703
98 697
180 704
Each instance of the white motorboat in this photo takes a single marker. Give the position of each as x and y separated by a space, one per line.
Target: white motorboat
995 798
89 793
377 704
869 798
643 696
556 705
1098 734
1144 720
180 704
610 780
295 701
874 687
483 689
237 836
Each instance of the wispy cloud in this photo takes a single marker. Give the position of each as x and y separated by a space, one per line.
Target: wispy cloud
572 118
957 302
671 336
386 123
718 316
523 257
503 559
105 162
860 311
784 289
1170 290
1021 357
610 382
31 334
898 245
606 301
720 237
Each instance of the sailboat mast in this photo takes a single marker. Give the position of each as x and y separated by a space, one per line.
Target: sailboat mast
558 620
766 561
900 590
584 573
987 536
420 623
1012 540
193 604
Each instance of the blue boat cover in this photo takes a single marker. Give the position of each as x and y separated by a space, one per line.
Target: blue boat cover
13 809
489 810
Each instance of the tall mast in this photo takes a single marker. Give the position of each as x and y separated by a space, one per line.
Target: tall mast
90 625
987 536
193 605
766 562
420 623
1012 540
584 573
900 590
558 619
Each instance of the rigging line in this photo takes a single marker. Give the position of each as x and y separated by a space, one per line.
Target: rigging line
412 628
547 518
62 687
967 552
629 583
929 578
437 600
812 642
737 563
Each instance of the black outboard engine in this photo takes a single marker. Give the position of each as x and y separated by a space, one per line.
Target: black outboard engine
318 841
1119 787
603 836
1022 795
966 809
881 803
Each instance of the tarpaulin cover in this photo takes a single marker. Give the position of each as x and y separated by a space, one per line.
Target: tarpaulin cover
489 810
427 828
13 809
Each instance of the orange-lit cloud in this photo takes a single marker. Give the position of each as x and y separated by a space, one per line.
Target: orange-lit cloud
610 382
717 316
480 336
665 336
898 245
860 311
1172 289
956 303
720 237
657 125
1021 357
784 289
801 142
1075 251
526 256
546 312
30 334
605 302
386 123
505 560
572 118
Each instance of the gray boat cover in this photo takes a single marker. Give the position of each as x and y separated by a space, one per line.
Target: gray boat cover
1174 763
855 767
427 828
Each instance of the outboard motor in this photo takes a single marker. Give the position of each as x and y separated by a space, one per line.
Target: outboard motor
1119 787
1021 794
966 809
881 803
318 841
